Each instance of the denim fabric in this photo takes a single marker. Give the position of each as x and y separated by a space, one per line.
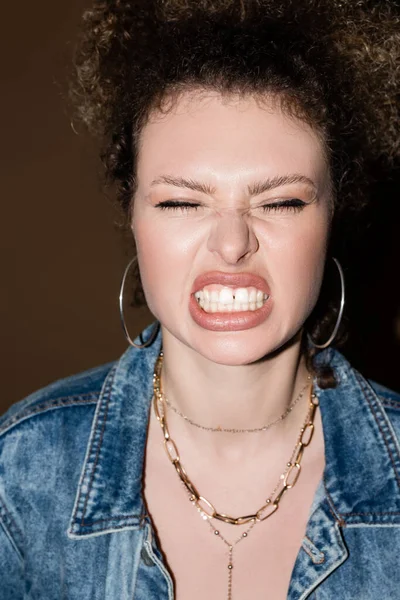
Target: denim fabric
73 523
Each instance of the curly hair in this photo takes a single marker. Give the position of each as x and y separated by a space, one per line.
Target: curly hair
332 63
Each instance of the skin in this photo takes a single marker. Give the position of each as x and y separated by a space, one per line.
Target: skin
242 378
227 145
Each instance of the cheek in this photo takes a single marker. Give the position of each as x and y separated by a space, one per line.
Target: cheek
151 253
298 266
165 254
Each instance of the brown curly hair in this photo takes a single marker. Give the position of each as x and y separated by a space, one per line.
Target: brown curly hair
333 63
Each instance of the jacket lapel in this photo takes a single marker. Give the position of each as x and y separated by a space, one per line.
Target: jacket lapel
361 483
109 495
362 474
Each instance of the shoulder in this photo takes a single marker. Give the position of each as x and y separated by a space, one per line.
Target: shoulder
345 372
82 389
388 397
352 383
43 441
390 401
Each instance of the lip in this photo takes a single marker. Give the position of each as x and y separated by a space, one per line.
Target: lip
229 321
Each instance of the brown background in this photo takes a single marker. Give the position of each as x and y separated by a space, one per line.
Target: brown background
62 255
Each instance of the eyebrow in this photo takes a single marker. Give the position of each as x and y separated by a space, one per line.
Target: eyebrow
254 189
260 187
181 182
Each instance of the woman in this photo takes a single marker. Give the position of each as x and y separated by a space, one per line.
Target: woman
231 452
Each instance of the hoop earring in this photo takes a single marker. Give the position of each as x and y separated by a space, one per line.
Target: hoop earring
121 314
339 319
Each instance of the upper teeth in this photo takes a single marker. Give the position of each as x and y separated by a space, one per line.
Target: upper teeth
230 299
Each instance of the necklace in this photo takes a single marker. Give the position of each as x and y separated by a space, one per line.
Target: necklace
289 477
220 429
232 545
207 511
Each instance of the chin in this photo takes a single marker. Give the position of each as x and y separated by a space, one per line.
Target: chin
234 348
241 347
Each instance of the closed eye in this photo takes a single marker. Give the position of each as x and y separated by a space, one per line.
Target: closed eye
183 206
293 204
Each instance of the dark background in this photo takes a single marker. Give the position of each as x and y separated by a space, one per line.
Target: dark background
62 254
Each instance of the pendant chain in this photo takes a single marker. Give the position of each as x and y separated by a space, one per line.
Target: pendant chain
220 429
207 511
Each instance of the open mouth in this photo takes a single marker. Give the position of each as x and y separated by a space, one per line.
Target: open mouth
223 299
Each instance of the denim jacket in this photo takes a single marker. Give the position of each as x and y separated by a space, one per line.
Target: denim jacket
73 524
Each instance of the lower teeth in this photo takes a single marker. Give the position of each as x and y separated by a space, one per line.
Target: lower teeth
213 307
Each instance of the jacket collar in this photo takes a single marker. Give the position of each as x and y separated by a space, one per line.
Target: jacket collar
109 495
362 474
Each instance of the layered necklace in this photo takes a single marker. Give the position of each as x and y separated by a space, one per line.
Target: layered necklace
207 511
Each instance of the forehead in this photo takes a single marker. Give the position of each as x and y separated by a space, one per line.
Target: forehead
207 134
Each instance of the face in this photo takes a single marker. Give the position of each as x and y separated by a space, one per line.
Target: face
231 220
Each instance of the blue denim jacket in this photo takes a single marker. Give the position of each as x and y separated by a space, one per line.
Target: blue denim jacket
73 524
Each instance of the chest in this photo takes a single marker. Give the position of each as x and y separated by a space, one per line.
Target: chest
262 560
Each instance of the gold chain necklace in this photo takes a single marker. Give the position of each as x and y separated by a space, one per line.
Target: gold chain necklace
286 481
220 429
200 501
231 545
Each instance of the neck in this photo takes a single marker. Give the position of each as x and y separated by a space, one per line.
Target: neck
234 397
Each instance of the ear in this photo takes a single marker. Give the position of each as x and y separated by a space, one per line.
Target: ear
132 221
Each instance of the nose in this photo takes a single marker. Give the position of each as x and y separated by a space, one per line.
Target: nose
232 237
